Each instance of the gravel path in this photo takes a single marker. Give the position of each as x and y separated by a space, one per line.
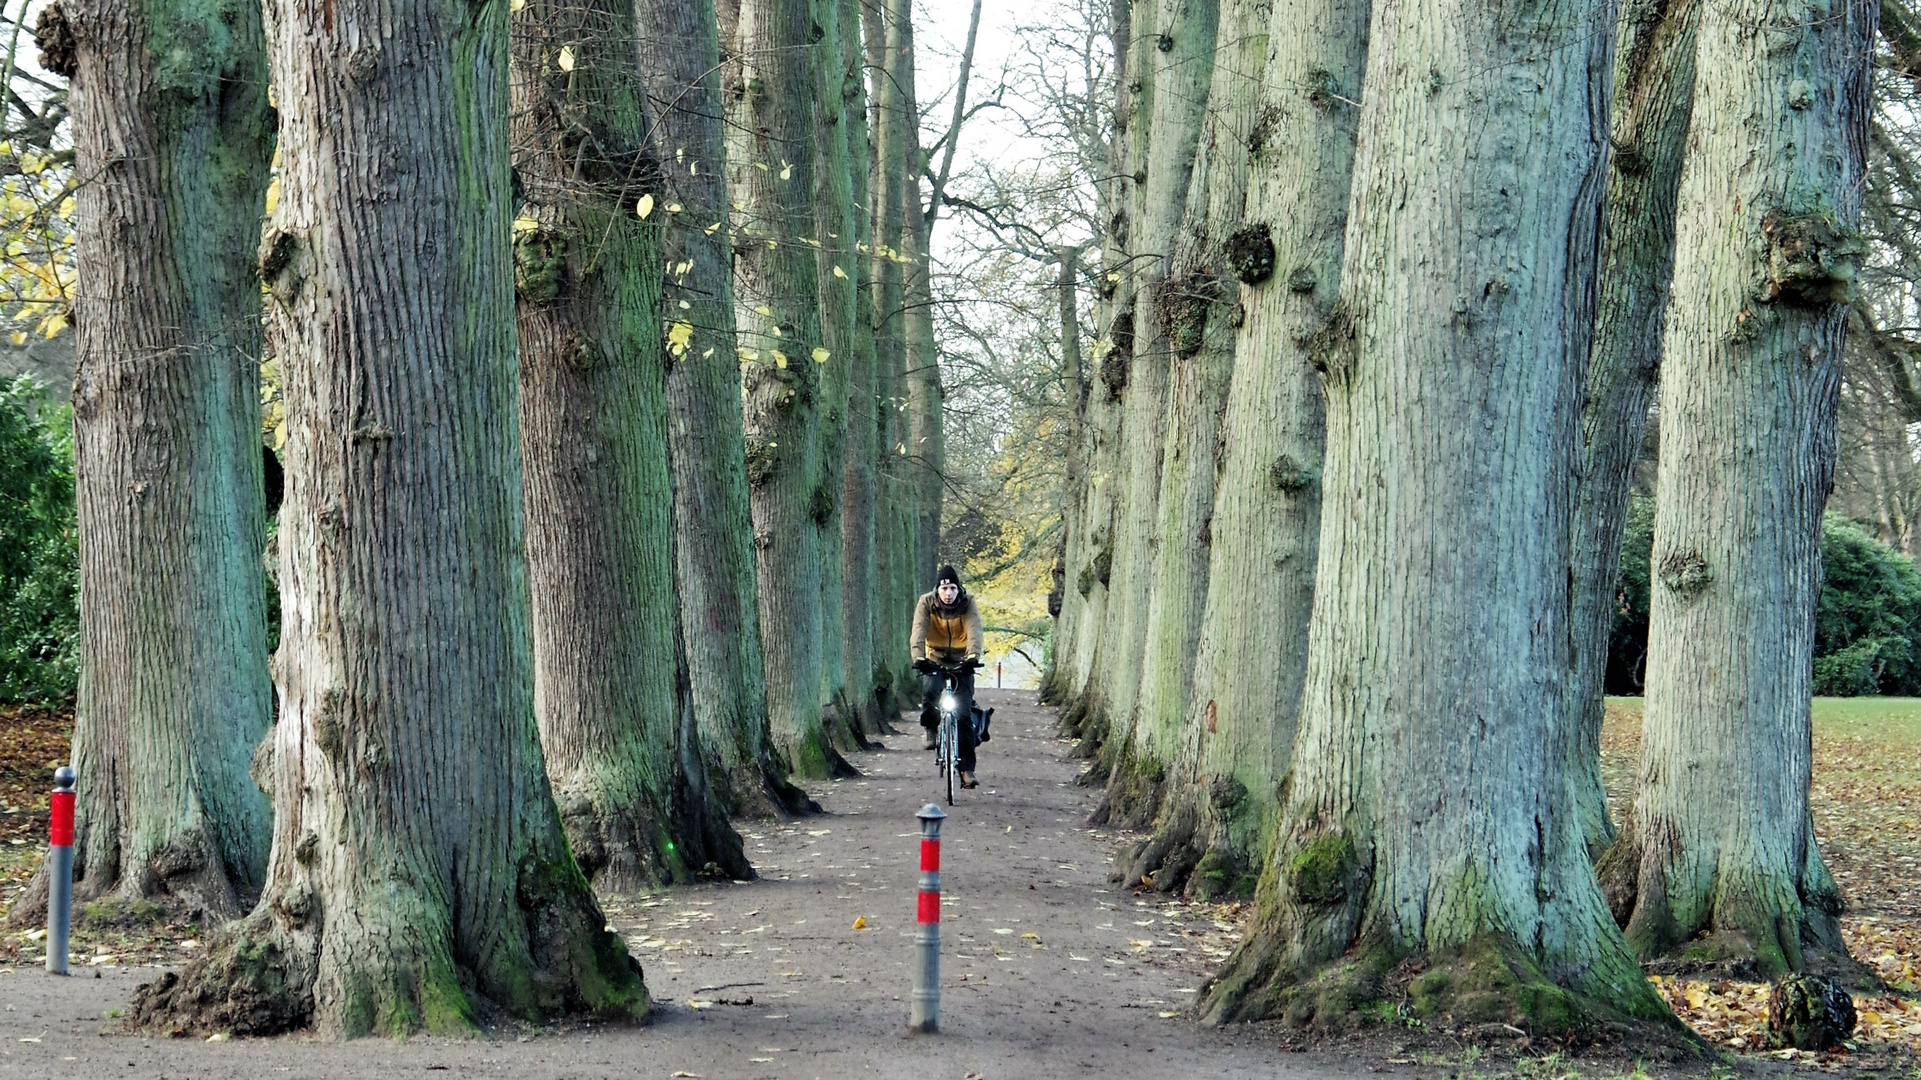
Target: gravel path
1047 969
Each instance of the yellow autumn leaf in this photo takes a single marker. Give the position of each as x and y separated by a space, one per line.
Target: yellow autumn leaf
839 273
710 229
53 325
18 337
860 922
566 60
764 310
673 208
679 334
786 171
683 266
645 206
517 5
780 359
525 224
821 355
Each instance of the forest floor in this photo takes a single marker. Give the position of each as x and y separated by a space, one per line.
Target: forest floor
1048 969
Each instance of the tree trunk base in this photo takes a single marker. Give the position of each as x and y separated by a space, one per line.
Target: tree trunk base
1182 856
760 793
644 848
1134 790
842 723
818 760
1488 981
179 882
387 964
1747 930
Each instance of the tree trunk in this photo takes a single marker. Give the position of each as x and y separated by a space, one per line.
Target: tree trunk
1065 603
1252 651
1653 98
858 564
1201 307
713 528
839 101
1720 836
1425 823
896 131
1182 72
777 309
172 133
1090 492
418 862
599 487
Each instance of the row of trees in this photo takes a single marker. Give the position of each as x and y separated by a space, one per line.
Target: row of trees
1383 296
611 436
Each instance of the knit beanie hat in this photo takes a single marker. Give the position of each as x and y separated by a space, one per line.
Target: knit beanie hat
947 574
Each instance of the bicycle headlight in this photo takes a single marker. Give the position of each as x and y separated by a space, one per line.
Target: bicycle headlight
947 700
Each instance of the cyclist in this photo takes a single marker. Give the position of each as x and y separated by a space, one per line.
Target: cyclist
947 631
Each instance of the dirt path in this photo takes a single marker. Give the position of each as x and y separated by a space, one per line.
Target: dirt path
1047 970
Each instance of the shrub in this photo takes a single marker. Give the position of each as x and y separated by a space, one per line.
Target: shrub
1866 621
39 560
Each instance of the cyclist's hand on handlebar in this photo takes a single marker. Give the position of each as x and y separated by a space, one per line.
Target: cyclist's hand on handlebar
926 666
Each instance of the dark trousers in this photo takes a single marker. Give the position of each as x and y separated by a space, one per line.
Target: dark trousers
930 688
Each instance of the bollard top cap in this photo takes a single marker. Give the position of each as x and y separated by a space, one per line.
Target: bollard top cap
931 812
63 778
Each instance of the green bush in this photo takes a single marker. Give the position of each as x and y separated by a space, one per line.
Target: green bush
39 561
1866 622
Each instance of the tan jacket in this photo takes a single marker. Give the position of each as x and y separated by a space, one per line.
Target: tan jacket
946 639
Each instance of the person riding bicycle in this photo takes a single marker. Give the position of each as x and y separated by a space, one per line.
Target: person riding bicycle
947 631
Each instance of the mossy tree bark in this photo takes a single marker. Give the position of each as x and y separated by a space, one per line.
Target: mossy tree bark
172 134
1720 838
771 168
1201 305
838 90
626 765
679 50
1252 652
418 860
1653 99
859 593
1426 816
1181 63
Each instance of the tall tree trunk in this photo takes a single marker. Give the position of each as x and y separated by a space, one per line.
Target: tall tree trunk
1653 98
896 137
1090 493
834 226
1065 603
1200 305
1767 253
1251 656
859 591
599 487
1425 817
418 861
713 528
172 135
921 359
1181 64
771 166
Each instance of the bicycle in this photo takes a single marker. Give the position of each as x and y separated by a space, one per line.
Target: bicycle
947 737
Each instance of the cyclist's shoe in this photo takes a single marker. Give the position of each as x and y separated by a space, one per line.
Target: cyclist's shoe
968 781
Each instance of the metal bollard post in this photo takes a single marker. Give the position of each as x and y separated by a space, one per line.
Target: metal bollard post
924 1017
997 676
60 871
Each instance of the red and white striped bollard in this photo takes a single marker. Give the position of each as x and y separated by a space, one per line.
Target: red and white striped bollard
59 870
924 1015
